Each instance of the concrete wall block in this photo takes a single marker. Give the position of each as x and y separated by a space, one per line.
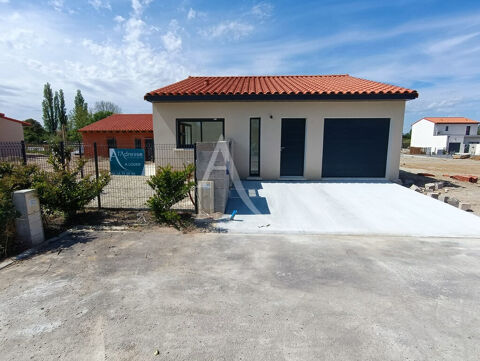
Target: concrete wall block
430 186
443 198
453 202
203 157
439 185
434 195
206 146
465 206
413 187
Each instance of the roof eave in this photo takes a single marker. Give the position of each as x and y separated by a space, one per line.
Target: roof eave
275 97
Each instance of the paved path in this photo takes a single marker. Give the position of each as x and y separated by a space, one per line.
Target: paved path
368 208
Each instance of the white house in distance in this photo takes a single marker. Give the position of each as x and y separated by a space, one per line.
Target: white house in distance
283 127
11 130
445 134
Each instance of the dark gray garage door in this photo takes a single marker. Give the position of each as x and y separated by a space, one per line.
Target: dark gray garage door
355 147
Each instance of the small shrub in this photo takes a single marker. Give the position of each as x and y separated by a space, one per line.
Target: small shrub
14 177
63 190
7 223
170 187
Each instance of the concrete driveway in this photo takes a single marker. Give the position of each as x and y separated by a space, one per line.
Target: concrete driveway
122 296
368 208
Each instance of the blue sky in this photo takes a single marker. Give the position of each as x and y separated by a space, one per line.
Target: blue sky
117 50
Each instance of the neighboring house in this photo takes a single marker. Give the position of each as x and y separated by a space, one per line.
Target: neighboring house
11 130
119 131
288 127
444 134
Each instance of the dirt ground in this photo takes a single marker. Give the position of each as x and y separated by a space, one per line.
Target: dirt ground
411 165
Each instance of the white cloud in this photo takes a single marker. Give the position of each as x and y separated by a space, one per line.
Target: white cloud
191 14
120 70
21 39
172 41
99 4
262 10
56 4
119 19
139 5
228 29
447 44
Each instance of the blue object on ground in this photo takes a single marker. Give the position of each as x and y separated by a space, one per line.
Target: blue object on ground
233 214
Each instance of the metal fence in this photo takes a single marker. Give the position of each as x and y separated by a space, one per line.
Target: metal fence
123 191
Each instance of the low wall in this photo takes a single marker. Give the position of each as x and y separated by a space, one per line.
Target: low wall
213 164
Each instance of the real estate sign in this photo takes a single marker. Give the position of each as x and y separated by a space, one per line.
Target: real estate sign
127 161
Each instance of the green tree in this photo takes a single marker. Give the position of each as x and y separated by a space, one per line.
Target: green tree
34 134
100 115
104 106
79 117
60 112
80 114
48 109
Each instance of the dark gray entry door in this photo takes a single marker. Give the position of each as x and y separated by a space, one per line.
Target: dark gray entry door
453 147
355 147
149 150
292 147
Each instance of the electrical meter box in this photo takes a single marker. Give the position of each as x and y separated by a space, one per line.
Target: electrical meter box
29 225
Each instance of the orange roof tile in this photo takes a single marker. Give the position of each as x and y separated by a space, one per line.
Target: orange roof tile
451 120
122 123
288 86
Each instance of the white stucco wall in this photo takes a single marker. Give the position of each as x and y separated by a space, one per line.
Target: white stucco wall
423 136
237 123
455 129
10 131
426 134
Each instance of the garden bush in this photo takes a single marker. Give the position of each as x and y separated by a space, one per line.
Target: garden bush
7 223
170 187
13 177
63 190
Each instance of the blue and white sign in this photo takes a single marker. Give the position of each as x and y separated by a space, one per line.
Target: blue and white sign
127 161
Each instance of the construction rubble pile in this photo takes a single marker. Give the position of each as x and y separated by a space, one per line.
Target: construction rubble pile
437 190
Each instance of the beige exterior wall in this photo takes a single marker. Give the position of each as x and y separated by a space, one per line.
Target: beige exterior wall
10 131
237 125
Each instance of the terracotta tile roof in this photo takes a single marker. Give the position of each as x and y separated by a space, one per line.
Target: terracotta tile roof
451 120
288 85
122 123
2 115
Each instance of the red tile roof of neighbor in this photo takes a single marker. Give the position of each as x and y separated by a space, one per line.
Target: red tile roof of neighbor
122 123
287 86
2 115
451 120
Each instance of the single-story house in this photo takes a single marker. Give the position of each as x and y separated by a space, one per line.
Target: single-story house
288 127
445 134
11 129
119 131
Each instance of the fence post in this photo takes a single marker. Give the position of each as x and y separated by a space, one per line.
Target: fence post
95 154
80 155
195 176
24 153
62 153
